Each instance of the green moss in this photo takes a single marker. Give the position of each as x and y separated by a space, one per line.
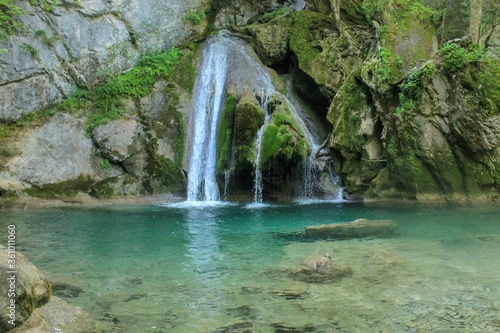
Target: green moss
306 35
9 19
63 190
104 102
102 190
403 10
225 132
249 117
345 115
478 74
160 170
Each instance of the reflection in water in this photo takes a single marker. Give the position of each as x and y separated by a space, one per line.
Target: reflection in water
202 245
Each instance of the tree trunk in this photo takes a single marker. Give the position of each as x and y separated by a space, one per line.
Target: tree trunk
476 11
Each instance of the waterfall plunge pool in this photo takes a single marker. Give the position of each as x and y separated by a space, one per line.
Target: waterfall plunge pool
227 268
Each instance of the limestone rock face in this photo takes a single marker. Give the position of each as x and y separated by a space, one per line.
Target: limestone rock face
54 153
75 42
32 288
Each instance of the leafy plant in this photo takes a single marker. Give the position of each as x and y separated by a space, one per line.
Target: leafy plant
455 57
33 51
194 17
9 19
390 65
106 165
45 4
42 34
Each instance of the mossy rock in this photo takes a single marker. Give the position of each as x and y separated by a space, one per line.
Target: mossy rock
64 190
225 132
314 75
282 137
249 117
102 190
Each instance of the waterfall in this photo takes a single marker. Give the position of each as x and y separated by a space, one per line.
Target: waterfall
257 182
209 93
312 167
226 61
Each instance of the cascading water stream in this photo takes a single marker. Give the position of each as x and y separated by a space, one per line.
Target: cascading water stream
209 95
311 168
226 62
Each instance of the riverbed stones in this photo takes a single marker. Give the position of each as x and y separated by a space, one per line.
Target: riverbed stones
31 287
360 228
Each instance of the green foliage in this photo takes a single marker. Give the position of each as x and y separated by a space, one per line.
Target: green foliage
42 34
104 102
106 165
9 19
391 66
402 9
45 4
455 57
194 17
412 87
33 51
483 84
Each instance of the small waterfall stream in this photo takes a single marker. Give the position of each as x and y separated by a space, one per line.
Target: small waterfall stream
311 166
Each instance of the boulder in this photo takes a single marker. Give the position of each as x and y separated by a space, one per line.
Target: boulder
58 316
56 152
31 287
121 142
320 270
359 228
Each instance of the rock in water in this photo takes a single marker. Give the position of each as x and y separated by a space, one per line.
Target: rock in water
320 270
31 287
360 228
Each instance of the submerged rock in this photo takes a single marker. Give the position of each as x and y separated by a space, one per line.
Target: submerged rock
360 228
320 270
58 316
31 287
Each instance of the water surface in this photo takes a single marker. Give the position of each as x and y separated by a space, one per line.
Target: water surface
227 268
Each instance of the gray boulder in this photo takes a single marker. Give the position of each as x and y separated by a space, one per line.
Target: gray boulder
54 153
121 141
32 289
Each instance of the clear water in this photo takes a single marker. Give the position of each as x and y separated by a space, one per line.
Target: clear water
225 268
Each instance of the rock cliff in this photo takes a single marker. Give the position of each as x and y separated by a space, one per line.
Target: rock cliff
93 102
